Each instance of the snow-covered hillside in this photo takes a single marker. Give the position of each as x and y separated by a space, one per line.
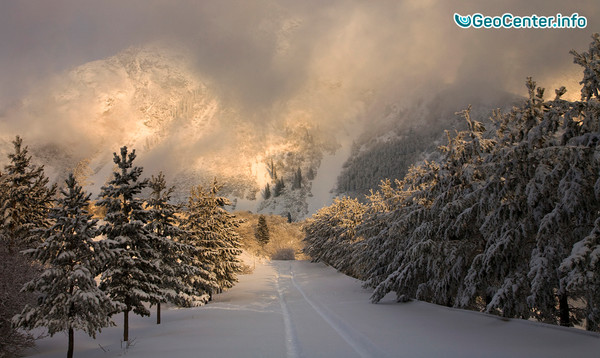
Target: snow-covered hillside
302 309
152 99
406 133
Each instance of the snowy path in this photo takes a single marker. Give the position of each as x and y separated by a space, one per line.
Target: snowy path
300 309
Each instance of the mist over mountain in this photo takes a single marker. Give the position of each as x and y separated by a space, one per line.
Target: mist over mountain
204 90
412 132
150 99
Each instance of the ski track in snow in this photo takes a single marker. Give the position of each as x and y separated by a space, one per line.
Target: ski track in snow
359 343
291 339
236 308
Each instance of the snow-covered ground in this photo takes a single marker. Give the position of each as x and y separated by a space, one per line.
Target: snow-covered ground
303 309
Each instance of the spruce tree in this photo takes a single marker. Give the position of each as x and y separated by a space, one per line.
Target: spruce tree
506 222
297 182
25 200
271 169
204 281
211 230
227 265
132 277
262 231
267 192
580 270
174 261
72 259
279 186
330 234
311 174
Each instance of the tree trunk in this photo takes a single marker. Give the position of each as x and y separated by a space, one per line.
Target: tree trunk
71 338
158 313
590 325
126 324
71 335
563 307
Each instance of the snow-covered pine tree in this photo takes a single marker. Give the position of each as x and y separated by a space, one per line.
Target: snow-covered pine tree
297 181
581 275
448 237
204 280
589 61
562 195
510 206
262 231
69 296
279 187
174 260
25 200
374 253
132 277
499 273
392 215
330 234
272 170
225 225
211 230
581 269
267 192
440 240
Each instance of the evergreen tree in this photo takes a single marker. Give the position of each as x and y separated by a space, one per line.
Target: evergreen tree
133 276
267 192
580 269
581 275
330 234
279 185
71 298
506 222
174 261
25 200
272 170
211 230
262 231
311 174
203 280
227 265
297 182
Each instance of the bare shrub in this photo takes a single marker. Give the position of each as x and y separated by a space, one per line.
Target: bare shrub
284 254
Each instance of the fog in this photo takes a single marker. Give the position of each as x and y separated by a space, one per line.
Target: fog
268 58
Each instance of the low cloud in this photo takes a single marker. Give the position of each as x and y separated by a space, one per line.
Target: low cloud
271 60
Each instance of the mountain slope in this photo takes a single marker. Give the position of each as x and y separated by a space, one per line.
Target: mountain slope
152 99
408 133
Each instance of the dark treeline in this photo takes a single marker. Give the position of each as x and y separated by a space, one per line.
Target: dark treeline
506 222
145 251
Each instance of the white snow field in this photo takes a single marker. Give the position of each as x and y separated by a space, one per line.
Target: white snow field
303 309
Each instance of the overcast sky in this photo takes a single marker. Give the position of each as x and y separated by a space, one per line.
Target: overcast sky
260 51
